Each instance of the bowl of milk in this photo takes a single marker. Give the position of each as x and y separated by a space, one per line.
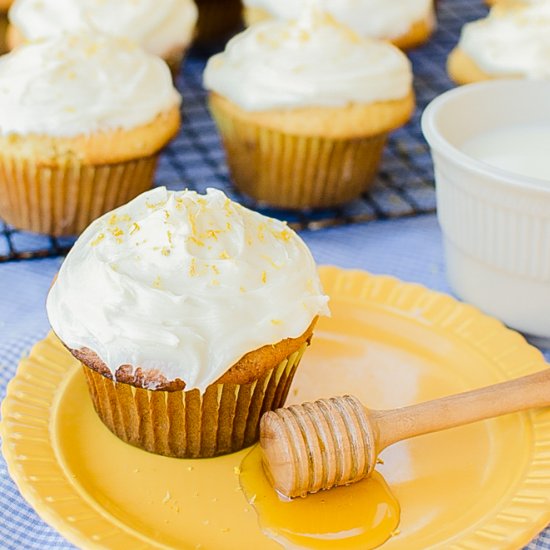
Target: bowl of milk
490 144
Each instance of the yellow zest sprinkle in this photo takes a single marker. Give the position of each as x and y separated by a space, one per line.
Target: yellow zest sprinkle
157 283
192 222
213 234
264 277
224 256
154 204
271 261
202 202
179 203
166 214
261 232
276 322
193 268
165 251
113 220
169 235
228 226
215 269
283 235
135 227
98 239
227 207
242 289
125 218
196 241
116 232
249 241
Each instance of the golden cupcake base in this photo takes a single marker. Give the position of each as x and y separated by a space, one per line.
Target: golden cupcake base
64 199
188 424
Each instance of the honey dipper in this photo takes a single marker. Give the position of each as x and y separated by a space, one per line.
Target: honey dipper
332 442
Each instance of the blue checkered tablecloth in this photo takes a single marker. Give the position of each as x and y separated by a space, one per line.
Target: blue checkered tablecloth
402 239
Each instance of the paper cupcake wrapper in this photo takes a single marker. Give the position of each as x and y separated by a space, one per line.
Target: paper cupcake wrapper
293 171
188 424
65 199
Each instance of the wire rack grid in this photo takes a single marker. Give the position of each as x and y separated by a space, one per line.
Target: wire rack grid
195 159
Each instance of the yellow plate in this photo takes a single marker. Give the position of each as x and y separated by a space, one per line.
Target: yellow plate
481 486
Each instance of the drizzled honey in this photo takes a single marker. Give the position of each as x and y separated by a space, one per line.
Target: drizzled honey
360 516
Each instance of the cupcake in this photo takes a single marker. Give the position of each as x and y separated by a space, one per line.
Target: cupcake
190 315
161 27
406 23
217 20
513 41
82 120
304 109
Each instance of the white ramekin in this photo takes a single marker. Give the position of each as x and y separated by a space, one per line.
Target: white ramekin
496 225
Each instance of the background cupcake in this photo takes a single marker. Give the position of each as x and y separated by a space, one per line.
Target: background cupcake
4 7
304 109
161 27
206 308
82 120
217 20
513 41
406 23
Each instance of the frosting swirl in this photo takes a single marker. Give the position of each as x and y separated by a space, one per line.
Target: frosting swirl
371 18
159 26
73 85
184 284
314 61
511 40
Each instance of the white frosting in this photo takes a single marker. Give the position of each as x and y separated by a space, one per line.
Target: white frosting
185 284
371 18
511 41
68 86
311 62
159 26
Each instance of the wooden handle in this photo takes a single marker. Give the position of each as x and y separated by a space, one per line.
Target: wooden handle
463 408
335 441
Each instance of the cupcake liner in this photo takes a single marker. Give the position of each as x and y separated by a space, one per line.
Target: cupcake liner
188 424
295 171
63 200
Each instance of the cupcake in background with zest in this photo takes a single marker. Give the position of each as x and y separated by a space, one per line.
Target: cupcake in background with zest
161 27
513 41
82 121
304 109
195 315
405 23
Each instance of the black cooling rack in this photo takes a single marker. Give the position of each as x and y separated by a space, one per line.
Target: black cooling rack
195 159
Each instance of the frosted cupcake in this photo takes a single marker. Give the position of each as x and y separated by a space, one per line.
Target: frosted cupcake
512 42
406 23
82 120
206 309
161 27
304 109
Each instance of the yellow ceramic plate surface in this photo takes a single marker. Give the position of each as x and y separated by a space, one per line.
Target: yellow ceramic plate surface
481 486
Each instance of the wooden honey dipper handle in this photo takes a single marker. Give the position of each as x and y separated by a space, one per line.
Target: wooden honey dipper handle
332 442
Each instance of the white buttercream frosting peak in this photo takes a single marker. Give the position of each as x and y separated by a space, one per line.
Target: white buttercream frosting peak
184 284
159 26
371 18
313 61
511 41
71 85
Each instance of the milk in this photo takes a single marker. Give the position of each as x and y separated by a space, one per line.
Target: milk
523 150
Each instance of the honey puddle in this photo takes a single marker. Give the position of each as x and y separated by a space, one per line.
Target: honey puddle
360 516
